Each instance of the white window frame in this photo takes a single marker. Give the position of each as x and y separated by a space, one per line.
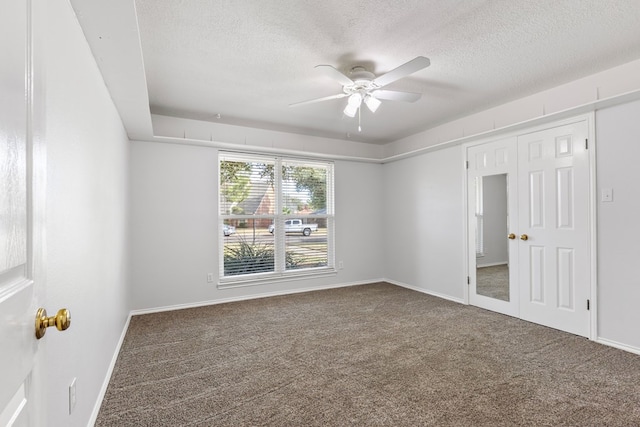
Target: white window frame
280 273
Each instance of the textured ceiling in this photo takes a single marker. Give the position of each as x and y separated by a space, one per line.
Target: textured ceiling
247 60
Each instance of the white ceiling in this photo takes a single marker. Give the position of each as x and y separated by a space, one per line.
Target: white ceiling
247 60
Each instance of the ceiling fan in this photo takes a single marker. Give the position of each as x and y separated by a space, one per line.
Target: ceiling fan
363 86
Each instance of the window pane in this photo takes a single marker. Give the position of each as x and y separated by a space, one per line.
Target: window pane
306 244
249 248
246 187
304 188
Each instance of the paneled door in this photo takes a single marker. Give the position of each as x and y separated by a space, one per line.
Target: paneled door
554 262
22 176
529 255
493 204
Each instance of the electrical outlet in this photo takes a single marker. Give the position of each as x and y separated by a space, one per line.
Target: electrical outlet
607 195
209 277
72 396
340 265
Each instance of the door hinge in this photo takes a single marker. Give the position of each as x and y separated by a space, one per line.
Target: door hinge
586 144
588 305
468 280
466 164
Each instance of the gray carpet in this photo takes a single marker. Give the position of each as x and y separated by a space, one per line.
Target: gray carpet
365 356
493 282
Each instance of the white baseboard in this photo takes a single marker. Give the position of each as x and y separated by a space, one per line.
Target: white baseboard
492 264
425 291
250 297
107 378
625 347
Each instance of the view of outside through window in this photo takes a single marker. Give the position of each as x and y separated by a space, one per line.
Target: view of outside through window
277 214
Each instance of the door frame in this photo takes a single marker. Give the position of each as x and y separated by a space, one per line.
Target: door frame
589 118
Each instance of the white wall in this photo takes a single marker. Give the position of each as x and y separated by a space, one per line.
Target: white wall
618 151
86 225
494 193
174 227
424 222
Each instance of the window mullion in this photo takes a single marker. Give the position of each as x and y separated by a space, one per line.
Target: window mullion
330 210
279 219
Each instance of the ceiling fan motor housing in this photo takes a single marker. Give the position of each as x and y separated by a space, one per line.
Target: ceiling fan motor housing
362 81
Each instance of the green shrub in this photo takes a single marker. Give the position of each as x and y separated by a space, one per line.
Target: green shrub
248 258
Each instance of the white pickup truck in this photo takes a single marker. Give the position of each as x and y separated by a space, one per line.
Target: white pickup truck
296 226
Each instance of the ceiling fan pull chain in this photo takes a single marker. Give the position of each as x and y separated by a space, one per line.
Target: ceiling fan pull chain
359 117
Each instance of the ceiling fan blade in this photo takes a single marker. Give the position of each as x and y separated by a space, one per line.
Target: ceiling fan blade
394 95
334 74
404 70
313 101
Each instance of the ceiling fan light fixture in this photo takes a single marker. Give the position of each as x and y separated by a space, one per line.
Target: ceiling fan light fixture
355 99
350 110
372 103
353 105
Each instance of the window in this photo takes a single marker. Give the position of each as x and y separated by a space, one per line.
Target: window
276 218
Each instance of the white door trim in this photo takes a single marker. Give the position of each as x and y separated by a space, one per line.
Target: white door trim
593 225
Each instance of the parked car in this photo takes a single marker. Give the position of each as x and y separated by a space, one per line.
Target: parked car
228 230
296 226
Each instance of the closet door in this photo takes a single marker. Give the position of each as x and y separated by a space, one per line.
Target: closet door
492 217
554 258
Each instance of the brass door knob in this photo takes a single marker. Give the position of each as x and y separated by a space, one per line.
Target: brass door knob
511 236
61 321
524 237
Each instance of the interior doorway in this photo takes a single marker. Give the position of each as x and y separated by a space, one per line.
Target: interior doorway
529 226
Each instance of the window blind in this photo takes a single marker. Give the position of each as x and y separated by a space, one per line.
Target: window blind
276 216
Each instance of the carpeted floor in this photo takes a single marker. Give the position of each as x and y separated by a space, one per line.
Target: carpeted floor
493 281
363 356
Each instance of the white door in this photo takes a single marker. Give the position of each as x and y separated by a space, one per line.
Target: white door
21 203
554 265
489 225
546 175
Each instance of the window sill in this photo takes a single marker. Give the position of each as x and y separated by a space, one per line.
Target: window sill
239 282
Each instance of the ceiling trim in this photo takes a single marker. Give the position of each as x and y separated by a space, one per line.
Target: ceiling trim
255 149
525 124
